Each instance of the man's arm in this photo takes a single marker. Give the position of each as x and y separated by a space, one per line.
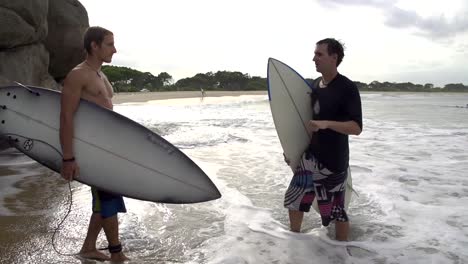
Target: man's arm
70 99
347 127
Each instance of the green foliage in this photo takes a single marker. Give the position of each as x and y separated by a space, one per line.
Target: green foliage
256 83
125 79
409 87
221 80
458 87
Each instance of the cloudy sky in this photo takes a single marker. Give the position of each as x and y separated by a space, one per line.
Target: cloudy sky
419 41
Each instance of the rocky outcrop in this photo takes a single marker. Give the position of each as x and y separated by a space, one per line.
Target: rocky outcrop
40 40
22 22
68 20
27 65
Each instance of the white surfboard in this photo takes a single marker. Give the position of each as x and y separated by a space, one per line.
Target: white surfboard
290 103
114 153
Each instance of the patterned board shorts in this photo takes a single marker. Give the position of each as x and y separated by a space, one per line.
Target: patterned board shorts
312 180
107 204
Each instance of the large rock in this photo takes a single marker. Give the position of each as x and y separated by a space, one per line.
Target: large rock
68 20
40 40
22 22
27 65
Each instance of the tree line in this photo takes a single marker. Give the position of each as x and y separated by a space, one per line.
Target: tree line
410 87
125 79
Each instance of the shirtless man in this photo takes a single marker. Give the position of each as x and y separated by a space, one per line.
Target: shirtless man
87 81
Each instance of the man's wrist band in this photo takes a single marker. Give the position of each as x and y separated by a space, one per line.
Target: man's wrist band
68 160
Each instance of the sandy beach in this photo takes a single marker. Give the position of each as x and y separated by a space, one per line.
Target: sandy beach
150 96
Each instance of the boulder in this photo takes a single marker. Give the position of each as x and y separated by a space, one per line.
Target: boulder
40 40
27 65
22 22
67 20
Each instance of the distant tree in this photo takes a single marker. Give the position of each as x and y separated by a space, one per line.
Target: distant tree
121 77
200 80
428 86
456 87
374 85
165 78
361 86
256 83
231 80
125 79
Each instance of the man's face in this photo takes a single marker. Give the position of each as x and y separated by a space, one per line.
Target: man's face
107 49
323 61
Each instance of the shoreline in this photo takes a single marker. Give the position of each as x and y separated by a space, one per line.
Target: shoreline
140 97
143 97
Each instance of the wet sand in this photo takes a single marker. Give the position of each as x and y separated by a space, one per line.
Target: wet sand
25 214
33 200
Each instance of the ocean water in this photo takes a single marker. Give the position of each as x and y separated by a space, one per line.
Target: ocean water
409 166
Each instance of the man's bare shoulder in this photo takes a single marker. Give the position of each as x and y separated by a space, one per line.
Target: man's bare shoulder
78 73
78 77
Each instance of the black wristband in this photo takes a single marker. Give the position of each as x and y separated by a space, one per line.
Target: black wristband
68 160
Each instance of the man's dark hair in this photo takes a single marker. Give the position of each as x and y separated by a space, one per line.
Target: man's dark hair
334 47
94 34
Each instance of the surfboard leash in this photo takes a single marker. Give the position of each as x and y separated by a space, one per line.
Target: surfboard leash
13 142
59 226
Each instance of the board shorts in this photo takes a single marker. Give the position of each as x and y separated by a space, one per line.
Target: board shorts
312 180
107 204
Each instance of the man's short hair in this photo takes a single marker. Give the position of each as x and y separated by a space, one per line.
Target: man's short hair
334 47
96 35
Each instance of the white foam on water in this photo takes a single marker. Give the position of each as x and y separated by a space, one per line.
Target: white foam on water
409 170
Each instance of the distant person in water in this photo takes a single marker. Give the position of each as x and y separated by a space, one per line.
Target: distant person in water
202 93
324 168
87 81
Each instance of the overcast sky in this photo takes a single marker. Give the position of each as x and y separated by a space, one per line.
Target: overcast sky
419 41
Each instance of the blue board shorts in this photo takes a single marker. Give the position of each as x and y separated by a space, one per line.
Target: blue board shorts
311 181
107 204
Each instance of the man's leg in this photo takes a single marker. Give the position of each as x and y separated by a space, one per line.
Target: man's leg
111 229
88 250
295 220
341 230
342 227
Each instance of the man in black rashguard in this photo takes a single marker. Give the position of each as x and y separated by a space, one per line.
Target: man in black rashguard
324 167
